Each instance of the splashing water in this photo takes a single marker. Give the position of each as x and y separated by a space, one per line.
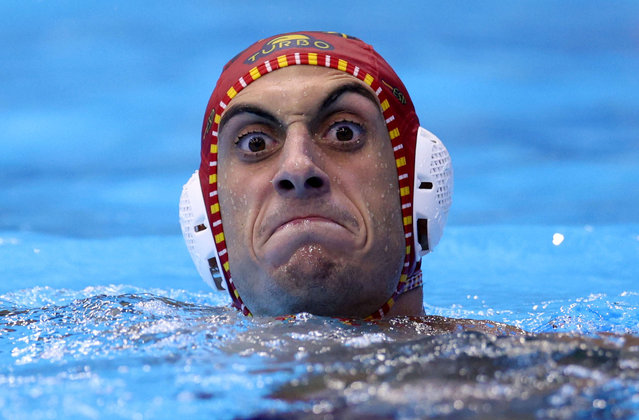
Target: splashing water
114 352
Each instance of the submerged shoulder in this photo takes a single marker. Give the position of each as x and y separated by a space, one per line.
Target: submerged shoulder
435 324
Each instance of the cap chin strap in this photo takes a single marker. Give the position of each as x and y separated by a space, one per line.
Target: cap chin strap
432 196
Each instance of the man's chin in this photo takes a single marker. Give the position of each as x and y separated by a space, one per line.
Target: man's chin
307 265
319 282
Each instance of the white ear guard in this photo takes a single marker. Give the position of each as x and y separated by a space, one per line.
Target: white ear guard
197 232
432 191
432 196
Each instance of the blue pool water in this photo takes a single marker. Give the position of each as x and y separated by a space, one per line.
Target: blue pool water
102 314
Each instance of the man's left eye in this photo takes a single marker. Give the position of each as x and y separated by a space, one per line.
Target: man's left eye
344 131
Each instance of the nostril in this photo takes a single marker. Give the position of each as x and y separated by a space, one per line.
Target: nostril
314 182
286 185
301 185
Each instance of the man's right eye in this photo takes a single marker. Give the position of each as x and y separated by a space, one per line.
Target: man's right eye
255 142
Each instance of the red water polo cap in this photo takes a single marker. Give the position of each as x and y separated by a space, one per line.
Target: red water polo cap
323 49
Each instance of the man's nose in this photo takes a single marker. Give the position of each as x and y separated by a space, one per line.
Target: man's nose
300 175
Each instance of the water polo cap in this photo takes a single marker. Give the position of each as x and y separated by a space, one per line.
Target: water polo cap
423 165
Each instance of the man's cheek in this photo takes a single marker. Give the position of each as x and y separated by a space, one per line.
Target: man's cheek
235 216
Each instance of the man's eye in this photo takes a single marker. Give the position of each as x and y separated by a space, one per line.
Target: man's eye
255 142
344 131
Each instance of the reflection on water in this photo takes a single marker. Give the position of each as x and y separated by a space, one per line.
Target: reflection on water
103 354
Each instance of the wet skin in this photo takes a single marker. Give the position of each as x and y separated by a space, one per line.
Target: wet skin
309 196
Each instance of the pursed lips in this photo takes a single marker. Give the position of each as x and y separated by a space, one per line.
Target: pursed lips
277 222
303 219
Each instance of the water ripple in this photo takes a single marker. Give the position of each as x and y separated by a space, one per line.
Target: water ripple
117 352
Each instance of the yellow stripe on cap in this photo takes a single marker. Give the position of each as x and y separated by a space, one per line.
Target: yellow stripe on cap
368 79
231 92
282 61
215 208
235 292
341 65
219 237
400 162
393 133
403 278
255 73
404 191
217 116
212 179
408 250
312 58
408 220
385 105
214 148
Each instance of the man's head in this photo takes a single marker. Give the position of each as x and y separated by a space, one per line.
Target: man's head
308 195
307 174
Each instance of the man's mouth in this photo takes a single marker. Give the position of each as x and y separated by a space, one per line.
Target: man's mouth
331 217
300 232
305 220
288 229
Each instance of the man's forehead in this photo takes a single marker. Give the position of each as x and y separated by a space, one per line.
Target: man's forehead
314 85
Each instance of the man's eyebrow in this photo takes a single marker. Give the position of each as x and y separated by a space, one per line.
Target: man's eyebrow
248 109
332 97
353 87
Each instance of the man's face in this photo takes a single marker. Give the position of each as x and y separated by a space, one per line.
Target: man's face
309 195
